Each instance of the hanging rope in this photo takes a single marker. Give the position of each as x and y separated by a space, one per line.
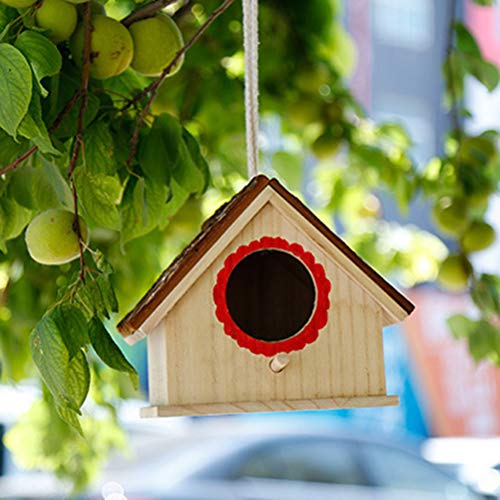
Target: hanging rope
251 48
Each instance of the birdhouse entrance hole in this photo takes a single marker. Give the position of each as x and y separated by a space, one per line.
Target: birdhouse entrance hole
270 295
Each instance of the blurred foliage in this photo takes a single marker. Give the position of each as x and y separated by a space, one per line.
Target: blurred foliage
142 215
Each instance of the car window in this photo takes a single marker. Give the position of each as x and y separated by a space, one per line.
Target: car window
395 469
323 461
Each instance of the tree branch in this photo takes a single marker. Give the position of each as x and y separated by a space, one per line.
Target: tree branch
152 89
18 160
455 116
148 10
78 144
57 122
67 108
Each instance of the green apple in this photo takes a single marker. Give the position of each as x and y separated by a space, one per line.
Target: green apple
450 215
51 238
58 17
310 78
156 42
454 273
326 145
303 112
112 47
478 236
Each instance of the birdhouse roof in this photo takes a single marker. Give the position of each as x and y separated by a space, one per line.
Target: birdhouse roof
131 326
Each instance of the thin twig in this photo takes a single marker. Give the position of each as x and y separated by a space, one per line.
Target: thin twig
18 160
78 144
67 108
185 9
148 10
152 89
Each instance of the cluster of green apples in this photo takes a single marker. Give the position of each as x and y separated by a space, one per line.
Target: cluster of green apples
148 45
452 218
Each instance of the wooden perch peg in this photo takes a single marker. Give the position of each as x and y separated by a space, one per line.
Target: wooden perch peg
279 362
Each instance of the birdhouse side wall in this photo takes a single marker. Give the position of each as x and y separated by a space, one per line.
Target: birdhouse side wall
193 361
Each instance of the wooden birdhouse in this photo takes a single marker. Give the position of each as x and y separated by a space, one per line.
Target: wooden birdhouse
265 310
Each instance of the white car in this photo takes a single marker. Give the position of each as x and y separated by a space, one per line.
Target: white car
276 462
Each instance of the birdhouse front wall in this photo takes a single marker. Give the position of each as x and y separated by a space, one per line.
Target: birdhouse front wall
193 361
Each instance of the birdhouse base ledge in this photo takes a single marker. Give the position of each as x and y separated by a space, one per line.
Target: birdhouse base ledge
268 406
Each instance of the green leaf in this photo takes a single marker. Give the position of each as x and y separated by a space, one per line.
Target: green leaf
90 296
98 296
461 326
78 378
7 14
13 218
132 211
171 151
68 126
68 379
100 195
485 293
144 205
33 127
99 154
158 153
70 417
108 351
102 263
15 88
11 149
484 71
483 342
177 198
187 173
70 320
466 42
108 293
476 151
49 187
201 175
127 83
42 54
454 70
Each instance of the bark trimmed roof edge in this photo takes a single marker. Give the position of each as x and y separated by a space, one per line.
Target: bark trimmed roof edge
215 227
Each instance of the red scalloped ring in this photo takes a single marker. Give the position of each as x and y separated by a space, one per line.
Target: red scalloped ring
309 332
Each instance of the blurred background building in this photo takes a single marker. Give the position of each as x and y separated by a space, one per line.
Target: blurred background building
401 45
